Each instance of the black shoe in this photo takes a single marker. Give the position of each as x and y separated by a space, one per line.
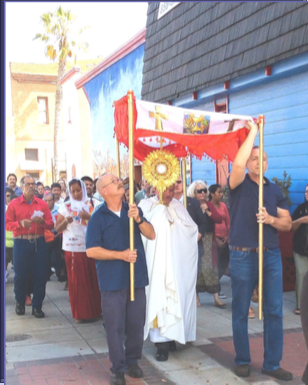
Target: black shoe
162 355
38 313
172 346
162 351
117 379
19 309
134 371
280 374
242 370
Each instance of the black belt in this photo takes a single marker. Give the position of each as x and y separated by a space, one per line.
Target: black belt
247 249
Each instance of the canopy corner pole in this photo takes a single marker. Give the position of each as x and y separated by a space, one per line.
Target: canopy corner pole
184 182
118 158
261 152
130 96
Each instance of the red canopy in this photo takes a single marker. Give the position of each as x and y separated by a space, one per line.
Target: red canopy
183 131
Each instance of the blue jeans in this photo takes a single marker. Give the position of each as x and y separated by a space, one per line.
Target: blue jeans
244 271
30 256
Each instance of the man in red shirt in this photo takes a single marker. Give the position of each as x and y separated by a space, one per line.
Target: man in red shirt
28 217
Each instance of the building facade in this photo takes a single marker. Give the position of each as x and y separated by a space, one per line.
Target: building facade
29 137
30 129
240 58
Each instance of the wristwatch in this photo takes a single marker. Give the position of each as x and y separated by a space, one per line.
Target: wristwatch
139 223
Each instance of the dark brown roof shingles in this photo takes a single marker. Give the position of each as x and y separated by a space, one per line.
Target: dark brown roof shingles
200 44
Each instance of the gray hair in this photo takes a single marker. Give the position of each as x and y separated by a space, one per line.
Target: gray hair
22 180
49 194
191 189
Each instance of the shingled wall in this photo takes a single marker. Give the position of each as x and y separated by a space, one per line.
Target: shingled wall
199 44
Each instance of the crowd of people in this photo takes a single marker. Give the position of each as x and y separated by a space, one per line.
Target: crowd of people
80 231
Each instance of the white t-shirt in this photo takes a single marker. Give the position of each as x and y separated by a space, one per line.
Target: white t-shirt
74 236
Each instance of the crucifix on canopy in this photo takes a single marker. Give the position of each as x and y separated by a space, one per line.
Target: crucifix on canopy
159 116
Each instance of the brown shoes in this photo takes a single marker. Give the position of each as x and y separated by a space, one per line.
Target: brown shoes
242 370
280 374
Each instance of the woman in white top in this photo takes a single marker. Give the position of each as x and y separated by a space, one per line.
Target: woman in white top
81 271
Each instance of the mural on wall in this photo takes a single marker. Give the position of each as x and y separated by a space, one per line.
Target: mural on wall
110 85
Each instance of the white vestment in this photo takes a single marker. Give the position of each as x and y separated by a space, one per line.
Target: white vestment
172 260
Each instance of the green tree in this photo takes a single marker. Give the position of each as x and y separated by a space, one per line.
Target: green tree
285 184
62 42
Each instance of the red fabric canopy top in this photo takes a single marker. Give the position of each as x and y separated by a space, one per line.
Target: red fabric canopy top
183 131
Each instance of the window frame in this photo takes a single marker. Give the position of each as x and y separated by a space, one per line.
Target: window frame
32 149
34 175
46 111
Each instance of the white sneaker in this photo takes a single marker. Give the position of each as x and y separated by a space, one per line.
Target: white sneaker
221 295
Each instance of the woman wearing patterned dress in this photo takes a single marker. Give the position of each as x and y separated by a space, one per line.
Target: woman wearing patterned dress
83 287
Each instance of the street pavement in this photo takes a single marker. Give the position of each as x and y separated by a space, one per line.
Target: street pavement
57 351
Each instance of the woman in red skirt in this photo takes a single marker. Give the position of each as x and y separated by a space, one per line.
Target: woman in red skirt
83 287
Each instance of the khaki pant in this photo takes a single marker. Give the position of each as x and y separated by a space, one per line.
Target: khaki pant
301 268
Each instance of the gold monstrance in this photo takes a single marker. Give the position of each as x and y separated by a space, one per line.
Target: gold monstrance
161 169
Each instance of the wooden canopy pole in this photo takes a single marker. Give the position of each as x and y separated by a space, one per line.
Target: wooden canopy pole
261 152
118 158
130 96
184 182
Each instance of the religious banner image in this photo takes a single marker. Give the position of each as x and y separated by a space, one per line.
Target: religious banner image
194 124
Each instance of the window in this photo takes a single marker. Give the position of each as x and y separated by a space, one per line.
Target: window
221 107
35 175
43 110
31 154
62 175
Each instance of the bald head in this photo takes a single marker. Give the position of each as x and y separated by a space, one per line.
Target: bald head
110 186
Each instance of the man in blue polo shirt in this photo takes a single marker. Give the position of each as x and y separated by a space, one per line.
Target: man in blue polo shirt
245 216
107 241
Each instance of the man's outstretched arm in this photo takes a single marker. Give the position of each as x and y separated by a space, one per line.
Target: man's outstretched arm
238 168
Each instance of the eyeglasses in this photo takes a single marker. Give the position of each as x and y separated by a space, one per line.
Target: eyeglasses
202 190
178 182
114 181
29 184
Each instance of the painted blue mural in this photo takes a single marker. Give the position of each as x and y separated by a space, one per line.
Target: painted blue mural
107 87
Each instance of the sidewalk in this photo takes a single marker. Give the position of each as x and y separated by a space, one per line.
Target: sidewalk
57 351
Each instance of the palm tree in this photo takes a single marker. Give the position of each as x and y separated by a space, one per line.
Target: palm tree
61 42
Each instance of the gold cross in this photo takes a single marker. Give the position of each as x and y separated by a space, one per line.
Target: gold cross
161 141
158 116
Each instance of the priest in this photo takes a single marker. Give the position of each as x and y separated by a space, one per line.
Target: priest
172 260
